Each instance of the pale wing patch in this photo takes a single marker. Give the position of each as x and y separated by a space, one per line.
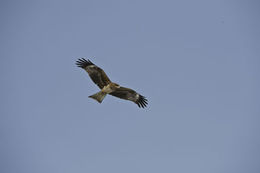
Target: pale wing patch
137 97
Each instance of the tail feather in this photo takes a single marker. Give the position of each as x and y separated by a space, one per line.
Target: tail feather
98 96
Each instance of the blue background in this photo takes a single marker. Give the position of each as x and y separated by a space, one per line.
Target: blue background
197 62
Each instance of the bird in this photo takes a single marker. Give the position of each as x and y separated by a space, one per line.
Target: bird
100 78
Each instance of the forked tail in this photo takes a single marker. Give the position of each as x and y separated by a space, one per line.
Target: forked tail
98 96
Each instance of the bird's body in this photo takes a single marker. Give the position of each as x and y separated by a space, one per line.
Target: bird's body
105 90
100 78
110 88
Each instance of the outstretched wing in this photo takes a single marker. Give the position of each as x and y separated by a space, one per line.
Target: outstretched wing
97 75
129 94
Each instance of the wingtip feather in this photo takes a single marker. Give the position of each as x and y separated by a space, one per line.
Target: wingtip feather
83 63
142 101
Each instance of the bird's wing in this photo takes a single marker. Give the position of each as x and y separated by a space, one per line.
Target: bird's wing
129 94
97 75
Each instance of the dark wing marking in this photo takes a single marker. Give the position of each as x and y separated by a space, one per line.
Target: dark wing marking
142 101
82 63
129 94
97 75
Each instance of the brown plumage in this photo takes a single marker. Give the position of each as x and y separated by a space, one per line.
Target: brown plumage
100 78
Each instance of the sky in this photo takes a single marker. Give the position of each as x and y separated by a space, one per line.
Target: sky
197 63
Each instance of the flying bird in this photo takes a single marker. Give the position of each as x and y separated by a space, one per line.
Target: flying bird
100 78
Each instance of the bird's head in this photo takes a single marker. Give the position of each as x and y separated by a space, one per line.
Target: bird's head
115 85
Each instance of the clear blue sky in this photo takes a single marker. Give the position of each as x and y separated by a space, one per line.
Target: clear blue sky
197 62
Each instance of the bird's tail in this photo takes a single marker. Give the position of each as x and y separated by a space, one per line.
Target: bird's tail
98 96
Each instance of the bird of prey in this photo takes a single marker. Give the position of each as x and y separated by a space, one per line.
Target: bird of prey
100 78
